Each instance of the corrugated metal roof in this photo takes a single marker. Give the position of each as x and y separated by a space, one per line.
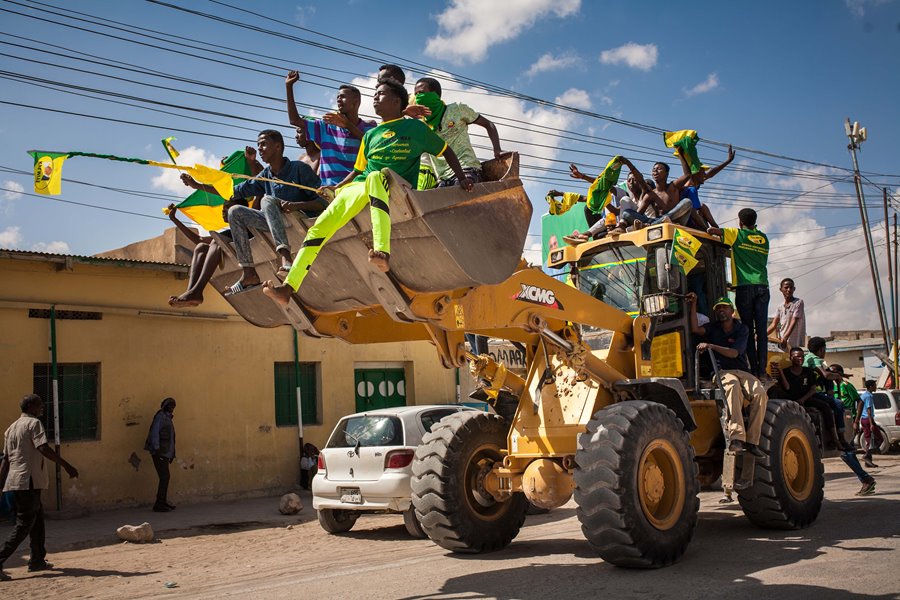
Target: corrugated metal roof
89 260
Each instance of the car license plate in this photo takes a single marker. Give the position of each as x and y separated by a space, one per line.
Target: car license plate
351 495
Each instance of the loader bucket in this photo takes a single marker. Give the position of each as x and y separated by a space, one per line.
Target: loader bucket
441 240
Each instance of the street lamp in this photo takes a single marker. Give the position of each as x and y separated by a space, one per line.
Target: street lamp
857 135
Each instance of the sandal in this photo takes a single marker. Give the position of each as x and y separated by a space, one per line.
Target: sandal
240 288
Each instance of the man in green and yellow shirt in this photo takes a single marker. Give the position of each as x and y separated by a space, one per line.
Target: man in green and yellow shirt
451 122
750 254
396 144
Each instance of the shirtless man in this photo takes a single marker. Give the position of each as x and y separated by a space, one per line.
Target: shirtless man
667 196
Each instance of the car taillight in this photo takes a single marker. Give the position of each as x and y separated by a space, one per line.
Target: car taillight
320 464
897 418
398 459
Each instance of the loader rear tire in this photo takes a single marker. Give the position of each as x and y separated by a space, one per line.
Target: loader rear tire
453 507
789 483
636 485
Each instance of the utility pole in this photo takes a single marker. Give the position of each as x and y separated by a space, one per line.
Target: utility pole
887 242
896 292
857 135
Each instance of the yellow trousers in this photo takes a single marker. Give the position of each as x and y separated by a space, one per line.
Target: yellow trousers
350 200
742 388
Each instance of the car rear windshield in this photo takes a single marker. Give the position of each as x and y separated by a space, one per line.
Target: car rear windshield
882 401
367 430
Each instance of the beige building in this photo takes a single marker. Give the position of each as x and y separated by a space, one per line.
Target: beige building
858 351
121 349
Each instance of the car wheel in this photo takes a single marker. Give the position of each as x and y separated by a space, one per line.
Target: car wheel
337 521
636 485
789 482
884 448
448 492
411 521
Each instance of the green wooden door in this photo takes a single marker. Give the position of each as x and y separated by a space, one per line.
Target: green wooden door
380 388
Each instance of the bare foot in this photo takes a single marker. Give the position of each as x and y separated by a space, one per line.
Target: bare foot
280 293
638 225
186 300
380 260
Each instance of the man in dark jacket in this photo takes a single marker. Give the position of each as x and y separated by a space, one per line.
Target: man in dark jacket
161 445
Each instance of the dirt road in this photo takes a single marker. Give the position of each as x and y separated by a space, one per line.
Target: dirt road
850 552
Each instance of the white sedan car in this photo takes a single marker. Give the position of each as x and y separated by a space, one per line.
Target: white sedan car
366 465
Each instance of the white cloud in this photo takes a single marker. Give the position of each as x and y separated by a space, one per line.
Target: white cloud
828 265
12 189
858 7
10 237
637 56
534 253
170 179
467 28
549 62
51 247
575 98
709 84
303 13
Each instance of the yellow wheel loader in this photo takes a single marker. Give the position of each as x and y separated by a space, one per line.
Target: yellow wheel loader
616 407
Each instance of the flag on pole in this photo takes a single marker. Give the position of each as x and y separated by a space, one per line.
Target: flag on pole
48 171
684 250
598 195
686 139
170 149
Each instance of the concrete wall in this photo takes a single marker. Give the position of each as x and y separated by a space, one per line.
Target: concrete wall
219 368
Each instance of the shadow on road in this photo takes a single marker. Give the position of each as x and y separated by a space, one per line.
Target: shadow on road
724 559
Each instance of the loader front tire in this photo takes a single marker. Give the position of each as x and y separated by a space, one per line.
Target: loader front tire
449 469
636 485
789 483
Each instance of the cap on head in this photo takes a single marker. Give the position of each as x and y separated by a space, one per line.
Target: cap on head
723 301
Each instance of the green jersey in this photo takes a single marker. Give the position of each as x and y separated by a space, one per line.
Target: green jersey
750 252
849 397
397 145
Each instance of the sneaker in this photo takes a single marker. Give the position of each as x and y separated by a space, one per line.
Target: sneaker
736 446
726 499
41 566
4 576
161 508
171 506
868 462
867 489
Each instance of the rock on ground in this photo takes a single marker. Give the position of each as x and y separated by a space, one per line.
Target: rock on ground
136 533
290 504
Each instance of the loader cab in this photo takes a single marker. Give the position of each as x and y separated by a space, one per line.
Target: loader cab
671 341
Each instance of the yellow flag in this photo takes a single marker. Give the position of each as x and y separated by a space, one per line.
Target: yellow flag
218 179
48 172
684 259
687 242
170 149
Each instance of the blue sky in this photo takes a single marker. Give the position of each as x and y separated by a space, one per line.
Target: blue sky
778 77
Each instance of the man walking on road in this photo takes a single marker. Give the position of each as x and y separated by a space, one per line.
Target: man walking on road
22 472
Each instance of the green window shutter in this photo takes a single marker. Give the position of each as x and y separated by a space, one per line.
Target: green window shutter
286 394
78 399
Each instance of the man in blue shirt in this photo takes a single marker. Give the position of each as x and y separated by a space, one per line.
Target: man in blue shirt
727 338
277 198
865 418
